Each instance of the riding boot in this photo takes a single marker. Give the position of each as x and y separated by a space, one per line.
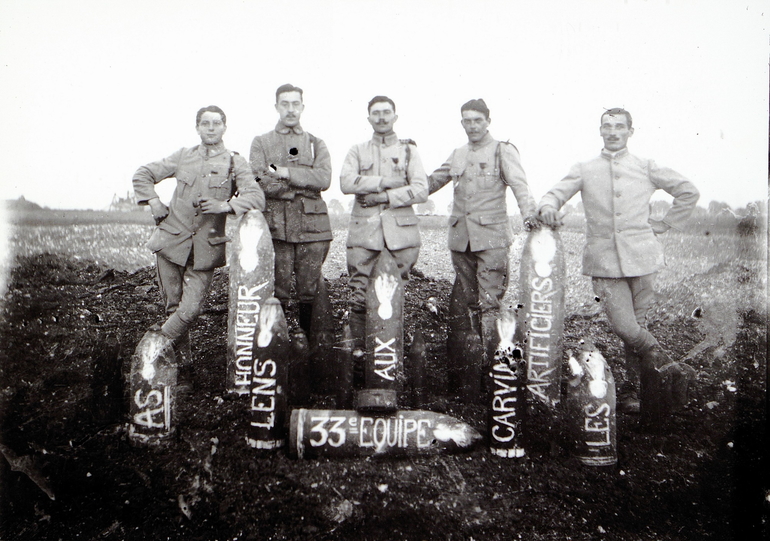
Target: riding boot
664 384
628 394
305 316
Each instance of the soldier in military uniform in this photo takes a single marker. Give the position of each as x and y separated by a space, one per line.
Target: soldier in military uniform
189 241
387 177
479 229
294 167
623 253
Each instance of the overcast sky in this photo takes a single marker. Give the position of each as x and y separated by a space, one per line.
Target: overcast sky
93 89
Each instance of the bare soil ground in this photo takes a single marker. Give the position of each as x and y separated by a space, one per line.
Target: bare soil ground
68 330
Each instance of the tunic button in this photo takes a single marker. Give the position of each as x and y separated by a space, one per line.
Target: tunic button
617 214
618 230
617 176
617 194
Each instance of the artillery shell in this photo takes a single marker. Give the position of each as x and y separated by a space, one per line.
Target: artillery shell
252 271
152 390
267 391
591 406
384 367
542 286
347 433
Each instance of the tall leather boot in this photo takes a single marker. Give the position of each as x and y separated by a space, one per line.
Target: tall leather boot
664 384
305 316
628 394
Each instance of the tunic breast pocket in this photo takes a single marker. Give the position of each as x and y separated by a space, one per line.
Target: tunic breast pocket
219 187
488 179
366 167
315 216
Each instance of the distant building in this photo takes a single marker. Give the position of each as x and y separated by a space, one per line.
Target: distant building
125 204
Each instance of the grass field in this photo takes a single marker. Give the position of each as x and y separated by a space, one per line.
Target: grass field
706 263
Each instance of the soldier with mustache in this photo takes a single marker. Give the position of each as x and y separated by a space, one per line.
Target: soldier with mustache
622 253
387 177
293 167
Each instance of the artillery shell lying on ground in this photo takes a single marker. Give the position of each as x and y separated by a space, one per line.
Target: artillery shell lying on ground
348 433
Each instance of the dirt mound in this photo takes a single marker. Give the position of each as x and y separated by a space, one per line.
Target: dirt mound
68 330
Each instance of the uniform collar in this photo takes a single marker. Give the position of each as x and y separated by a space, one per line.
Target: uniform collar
211 150
283 129
386 141
608 154
482 143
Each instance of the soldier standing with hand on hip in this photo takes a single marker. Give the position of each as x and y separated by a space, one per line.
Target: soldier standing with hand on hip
387 177
480 232
293 168
623 254
189 241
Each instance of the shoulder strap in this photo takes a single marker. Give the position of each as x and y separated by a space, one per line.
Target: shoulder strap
408 150
498 163
312 145
230 174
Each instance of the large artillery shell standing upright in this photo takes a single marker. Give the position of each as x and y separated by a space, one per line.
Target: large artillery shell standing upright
347 433
252 270
591 407
507 393
384 367
267 396
541 319
153 390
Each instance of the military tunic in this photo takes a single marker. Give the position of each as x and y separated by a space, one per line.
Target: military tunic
622 253
393 225
189 244
296 214
479 227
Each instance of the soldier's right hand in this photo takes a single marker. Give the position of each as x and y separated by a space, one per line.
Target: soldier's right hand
550 216
392 182
159 210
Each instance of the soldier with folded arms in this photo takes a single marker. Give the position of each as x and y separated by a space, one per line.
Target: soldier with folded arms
294 167
623 254
387 177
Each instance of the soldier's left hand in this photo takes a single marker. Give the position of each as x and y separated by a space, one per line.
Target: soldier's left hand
531 223
282 172
214 206
373 199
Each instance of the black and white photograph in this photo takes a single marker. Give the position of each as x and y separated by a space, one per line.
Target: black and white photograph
384 270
